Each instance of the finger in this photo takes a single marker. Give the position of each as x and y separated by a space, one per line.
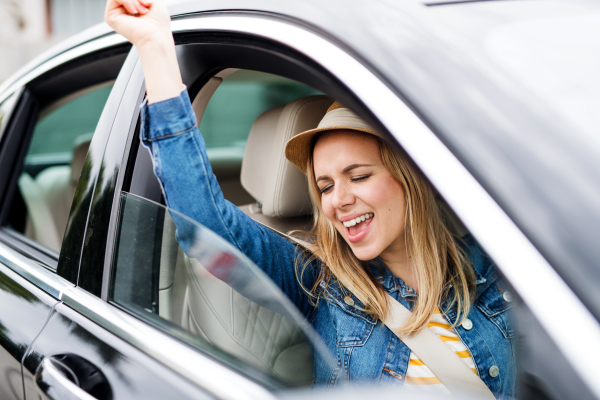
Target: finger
141 9
111 5
113 13
146 3
129 7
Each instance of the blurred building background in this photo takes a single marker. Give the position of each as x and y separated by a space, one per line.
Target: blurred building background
28 27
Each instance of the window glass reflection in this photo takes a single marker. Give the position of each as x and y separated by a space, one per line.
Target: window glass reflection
211 296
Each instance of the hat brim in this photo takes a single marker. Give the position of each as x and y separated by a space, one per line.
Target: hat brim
298 149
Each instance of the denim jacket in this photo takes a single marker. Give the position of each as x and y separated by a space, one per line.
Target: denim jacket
365 349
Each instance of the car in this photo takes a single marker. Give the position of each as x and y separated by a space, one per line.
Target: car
494 101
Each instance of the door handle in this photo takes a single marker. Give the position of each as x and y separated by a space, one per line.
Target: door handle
70 377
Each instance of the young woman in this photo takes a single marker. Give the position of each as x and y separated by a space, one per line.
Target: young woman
378 229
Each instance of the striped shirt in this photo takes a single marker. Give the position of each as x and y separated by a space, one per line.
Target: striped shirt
419 375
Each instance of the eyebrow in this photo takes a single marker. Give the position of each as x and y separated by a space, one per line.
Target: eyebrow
346 170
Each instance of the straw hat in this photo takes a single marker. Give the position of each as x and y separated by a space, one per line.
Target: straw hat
299 148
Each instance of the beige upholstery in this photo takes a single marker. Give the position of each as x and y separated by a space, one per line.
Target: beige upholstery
48 198
191 297
204 95
253 333
273 181
168 260
225 162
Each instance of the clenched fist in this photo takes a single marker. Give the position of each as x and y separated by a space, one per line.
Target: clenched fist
140 21
147 25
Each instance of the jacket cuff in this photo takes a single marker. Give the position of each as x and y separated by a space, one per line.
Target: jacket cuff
167 118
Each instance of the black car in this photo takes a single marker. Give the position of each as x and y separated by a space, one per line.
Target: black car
496 102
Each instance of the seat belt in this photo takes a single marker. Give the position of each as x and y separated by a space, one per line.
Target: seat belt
447 366
454 374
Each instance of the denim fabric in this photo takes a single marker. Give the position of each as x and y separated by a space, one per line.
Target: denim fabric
366 351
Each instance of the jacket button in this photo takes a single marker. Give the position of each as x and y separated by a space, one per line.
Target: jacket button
348 300
494 371
507 296
467 324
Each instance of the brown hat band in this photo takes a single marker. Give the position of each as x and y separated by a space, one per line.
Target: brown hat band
299 148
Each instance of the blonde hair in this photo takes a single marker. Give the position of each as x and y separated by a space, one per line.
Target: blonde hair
439 261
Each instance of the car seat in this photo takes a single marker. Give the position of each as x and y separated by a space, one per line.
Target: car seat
280 188
48 197
210 308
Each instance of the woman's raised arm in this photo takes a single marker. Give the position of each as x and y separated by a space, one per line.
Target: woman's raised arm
147 25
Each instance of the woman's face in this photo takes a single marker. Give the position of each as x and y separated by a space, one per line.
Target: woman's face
354 183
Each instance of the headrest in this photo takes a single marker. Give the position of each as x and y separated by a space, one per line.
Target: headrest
80 150
267 175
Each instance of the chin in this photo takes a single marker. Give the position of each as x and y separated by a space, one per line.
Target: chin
364 253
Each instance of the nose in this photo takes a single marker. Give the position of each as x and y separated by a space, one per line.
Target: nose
342 196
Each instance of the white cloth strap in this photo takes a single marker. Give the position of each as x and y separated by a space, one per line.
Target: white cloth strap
445 364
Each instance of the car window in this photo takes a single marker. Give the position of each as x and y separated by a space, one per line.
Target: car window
63 124
53 163
211 295
229 116
240 99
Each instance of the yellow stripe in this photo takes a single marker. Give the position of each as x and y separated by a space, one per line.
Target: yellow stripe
449 338
422 381
437 311
419 363
438 324
463 354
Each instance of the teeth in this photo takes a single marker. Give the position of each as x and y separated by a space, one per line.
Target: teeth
358 220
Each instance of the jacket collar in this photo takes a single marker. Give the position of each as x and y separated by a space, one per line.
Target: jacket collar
392 283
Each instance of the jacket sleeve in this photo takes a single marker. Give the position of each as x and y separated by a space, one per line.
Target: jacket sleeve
182 167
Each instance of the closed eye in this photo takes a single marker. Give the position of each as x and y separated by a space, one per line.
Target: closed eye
360 178
326 189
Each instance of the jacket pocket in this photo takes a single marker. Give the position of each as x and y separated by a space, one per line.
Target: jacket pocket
351 329
352 324
495 303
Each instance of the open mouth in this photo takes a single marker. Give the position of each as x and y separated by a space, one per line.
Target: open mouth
357 228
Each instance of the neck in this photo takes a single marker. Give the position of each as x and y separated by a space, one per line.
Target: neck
401 265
